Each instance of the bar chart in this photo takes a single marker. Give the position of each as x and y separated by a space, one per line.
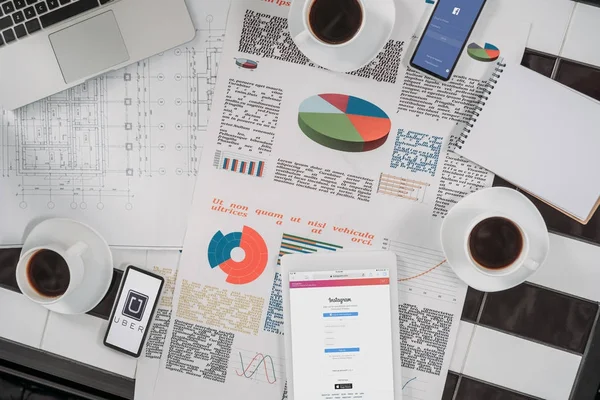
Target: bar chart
239 163
403 188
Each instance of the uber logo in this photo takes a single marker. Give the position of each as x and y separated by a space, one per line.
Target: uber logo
135 304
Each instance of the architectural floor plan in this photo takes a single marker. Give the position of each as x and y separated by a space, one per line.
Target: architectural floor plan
123 147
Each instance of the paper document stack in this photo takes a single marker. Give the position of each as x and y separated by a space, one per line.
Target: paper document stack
274 180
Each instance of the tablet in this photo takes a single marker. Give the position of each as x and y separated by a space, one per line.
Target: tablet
341 324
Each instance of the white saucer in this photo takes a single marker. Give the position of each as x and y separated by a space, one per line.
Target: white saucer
97 260
379 23
507 201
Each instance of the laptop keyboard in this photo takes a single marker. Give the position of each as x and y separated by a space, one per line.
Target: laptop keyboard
19 18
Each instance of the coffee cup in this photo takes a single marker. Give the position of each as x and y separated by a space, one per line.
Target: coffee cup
47 274
497 245
332 23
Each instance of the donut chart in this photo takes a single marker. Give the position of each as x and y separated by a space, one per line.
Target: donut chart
255 258
343 122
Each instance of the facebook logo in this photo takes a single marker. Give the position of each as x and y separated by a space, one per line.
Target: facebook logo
456 11
135 304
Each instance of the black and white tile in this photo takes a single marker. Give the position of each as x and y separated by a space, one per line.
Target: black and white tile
541 340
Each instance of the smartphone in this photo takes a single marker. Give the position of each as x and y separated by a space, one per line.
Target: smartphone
132 314
445 37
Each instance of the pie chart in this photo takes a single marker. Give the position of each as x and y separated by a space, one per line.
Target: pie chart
255 252
245 63
343 122
488 53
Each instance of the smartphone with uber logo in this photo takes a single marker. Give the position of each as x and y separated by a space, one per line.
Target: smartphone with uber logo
132 314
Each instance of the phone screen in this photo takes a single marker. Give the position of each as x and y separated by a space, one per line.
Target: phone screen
341 326
445 36
130 319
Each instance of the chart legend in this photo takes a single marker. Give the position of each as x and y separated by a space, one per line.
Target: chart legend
343 122
488 53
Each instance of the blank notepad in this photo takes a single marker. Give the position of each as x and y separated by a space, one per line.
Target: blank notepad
541 136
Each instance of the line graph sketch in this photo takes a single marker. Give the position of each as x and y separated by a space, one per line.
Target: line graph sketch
414 387
405 384
423 271
258 359
126 144
259 367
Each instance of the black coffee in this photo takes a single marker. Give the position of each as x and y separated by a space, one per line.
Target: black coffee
48 273
495 243
335 21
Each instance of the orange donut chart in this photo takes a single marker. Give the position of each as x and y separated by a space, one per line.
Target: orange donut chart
246 270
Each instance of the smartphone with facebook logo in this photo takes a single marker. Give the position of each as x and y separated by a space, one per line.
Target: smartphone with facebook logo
132 314
445 37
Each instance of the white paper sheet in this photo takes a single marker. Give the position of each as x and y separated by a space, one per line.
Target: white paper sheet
165 264
267 186
119 152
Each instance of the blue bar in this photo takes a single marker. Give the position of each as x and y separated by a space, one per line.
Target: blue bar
225 162
343 350
250 168
340 314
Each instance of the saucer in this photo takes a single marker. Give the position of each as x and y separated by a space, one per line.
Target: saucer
97 260
379 23
457 222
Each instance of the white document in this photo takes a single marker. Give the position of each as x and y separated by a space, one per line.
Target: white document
119 152
269 185
164 264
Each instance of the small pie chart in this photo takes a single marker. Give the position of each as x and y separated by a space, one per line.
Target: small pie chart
245 63
488 53
343 122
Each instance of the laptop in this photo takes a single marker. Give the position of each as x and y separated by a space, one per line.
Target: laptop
47 46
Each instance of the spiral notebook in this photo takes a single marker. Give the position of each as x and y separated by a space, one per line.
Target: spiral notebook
540 136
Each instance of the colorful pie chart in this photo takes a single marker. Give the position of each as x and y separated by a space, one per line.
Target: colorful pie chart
488 53
250 267
344 122
245 63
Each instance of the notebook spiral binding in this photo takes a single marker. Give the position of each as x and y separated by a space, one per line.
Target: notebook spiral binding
487 91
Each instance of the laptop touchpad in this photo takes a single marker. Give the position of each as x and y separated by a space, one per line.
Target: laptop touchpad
89 47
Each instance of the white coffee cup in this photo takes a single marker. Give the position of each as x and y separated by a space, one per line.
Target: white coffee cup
72 257
524 259
308 35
